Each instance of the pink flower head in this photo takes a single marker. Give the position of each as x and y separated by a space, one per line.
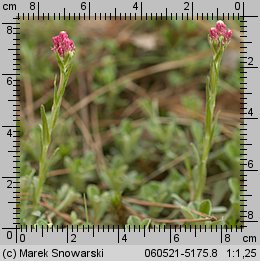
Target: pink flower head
213 33
228 35
62 44
219 34
221 27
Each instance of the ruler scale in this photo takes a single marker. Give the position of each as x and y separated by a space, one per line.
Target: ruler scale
114 243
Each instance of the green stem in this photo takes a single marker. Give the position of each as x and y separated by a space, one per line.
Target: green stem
43 162
211 95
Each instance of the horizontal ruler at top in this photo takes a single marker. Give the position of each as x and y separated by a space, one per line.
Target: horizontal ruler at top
143 9
130 16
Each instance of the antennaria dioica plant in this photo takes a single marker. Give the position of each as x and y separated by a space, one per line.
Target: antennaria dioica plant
64 50
219 38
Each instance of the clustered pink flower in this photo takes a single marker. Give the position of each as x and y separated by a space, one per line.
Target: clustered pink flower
228 35
220 32
221 27
62 44
213 32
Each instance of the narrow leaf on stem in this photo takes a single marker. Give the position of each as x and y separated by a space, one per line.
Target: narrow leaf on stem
45 127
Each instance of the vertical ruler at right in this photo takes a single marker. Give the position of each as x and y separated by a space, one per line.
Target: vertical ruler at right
249 126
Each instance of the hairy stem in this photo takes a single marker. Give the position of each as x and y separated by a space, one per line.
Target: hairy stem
43 162
211 95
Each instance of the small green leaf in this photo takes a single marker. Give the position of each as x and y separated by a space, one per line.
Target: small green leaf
74 218
70 197
196 175
186 212
217 210
197 133
55 99
41 137
196 152
41 223
134 221
234 185
45 127
218 223
92 191
36 213
178 199
99 202
55 152
86 209
59 61
205 207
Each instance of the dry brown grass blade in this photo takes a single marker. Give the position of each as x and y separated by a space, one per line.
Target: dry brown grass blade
58 172
64 216
134 212
42 100
168 221
86 134
166 205
84 112
162 67
29 110
96 137
149 203
83 128
182 220
165 167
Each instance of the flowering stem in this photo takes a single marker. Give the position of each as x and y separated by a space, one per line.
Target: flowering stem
64 50
43 162
211 95
219 39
